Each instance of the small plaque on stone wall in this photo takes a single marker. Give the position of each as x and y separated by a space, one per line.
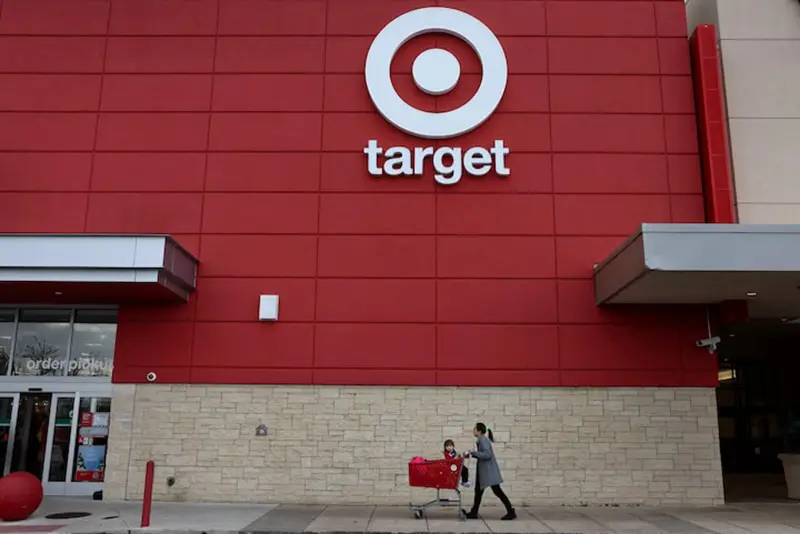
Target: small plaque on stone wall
261 430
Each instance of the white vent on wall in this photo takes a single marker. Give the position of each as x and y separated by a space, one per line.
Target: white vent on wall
268 308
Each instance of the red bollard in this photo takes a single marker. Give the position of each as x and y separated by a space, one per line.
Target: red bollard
147 501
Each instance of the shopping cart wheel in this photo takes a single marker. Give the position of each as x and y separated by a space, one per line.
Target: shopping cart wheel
461 515
419 514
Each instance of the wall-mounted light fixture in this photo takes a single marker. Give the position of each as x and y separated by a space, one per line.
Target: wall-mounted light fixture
268 308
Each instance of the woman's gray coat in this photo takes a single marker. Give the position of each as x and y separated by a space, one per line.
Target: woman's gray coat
488 470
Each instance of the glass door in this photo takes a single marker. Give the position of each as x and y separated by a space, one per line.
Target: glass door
91 445
31 431
9 407
77 444
59 448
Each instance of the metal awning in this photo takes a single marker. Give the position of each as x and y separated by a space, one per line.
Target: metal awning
706 264
94 268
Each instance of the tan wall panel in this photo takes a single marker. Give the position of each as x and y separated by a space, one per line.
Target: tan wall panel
657 446
759 19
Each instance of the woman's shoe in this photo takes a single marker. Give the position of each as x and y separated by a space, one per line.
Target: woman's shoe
510 516
470 514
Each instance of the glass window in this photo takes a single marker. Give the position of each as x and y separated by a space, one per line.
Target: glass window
92 439
62 435
96 316
7 330
57 341
42 341
92 352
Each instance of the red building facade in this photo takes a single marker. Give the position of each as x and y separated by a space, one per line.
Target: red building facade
237 127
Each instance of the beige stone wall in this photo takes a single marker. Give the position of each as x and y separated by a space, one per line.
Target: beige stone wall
759 42
656 446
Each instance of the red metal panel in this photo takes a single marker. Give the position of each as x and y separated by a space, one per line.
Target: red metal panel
376 301
610 173
49 92
582 215
575 255
238 126
231 299
279 132
156 92
47 131
247 375
374 377
626 134
469 256
617 347
43 212
377 214
494 347
144 213
602 55
156 17
498 214
687 209
45 171
375 346
673 56
377 256
283 17
619 18
465 377
717 180
157 132
262 171
365 17
264 256
53 17
148 171
249 345
678 94
605 94
671 18
512 302
684 174
268 92
154 345
157 54
260 213
261 55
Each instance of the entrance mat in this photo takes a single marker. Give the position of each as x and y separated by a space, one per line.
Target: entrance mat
68 515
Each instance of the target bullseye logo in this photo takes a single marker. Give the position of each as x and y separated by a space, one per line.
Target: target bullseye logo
436 72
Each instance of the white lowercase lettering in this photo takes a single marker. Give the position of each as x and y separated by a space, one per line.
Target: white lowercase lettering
404 161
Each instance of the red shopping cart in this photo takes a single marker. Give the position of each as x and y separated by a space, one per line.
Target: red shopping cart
437 474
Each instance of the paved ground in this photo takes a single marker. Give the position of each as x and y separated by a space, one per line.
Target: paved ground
112 518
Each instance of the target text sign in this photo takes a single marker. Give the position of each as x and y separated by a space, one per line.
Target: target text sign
436 72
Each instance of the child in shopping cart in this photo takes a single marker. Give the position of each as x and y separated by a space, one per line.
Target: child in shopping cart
450 452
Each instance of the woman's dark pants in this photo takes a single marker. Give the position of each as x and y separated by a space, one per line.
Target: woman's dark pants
496 489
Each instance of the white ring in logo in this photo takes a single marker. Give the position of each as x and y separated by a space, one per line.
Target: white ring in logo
424 123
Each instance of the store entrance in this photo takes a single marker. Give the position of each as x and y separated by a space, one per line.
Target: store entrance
59 437
30 433
758 401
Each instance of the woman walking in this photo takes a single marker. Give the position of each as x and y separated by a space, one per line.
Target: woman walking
488 473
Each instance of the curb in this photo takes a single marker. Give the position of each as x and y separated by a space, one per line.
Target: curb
173 531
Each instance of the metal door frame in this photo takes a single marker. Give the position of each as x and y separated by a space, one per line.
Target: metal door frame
59 388
59 488
12 431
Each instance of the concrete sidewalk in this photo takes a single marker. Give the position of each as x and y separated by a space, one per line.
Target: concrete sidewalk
123 517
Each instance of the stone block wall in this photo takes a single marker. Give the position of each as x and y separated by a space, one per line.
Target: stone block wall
326 444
